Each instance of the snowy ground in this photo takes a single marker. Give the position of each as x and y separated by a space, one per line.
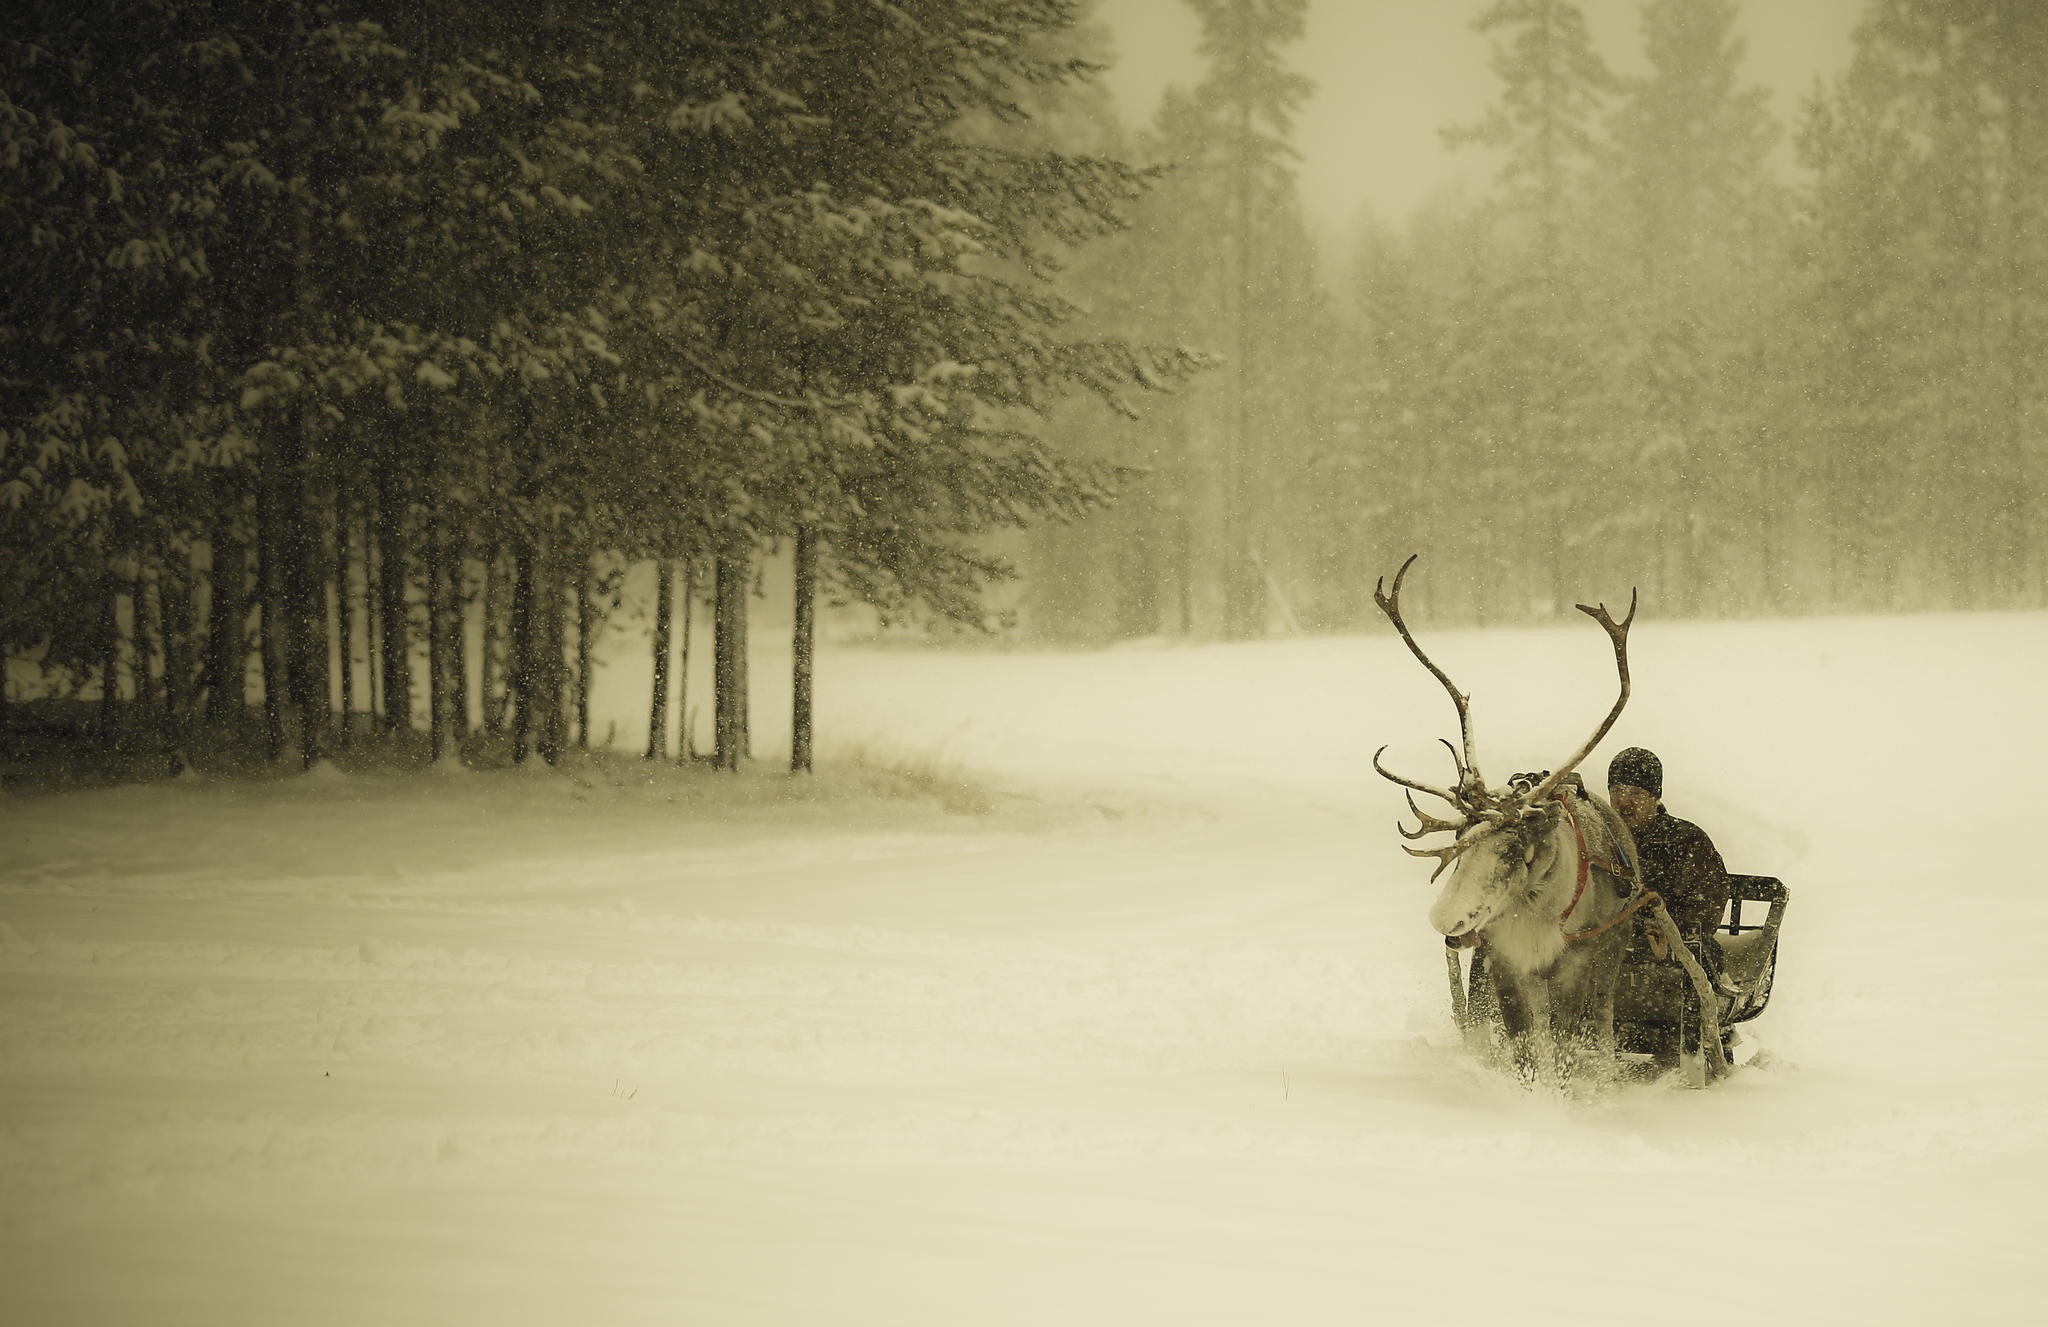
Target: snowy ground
1146 1028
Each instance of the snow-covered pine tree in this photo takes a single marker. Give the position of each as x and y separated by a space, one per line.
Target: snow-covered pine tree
1541 391
671 278
1695 200
1247 103
1928 215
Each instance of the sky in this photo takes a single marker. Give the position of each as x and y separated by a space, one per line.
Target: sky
1391 74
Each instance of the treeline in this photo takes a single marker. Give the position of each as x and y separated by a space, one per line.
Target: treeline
346 341
1751 367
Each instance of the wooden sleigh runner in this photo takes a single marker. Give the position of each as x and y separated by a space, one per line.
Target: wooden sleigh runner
1661 1023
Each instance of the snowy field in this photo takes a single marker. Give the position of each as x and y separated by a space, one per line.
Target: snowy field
1096 991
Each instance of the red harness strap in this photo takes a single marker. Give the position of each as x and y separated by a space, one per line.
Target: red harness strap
1585 863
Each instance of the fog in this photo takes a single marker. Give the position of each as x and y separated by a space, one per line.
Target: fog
1729 302
1390 75
966 897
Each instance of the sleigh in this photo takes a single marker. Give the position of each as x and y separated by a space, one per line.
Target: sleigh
1658 1020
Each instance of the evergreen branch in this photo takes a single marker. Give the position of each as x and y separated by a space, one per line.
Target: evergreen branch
769 398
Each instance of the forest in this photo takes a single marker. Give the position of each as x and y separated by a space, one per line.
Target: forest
356 354
1754 368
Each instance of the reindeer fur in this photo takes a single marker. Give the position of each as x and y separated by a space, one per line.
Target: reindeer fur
1511 884
1515 865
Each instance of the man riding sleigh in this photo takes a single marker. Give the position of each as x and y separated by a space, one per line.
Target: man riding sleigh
1577 906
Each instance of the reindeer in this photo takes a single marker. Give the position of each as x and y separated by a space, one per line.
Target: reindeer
1540 874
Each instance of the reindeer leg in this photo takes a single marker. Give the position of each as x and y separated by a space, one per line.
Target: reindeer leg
1484 1026
1544 1053
1517 1019
1595 1033
1459 1016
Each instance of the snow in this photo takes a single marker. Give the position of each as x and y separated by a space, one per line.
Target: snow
1147 1027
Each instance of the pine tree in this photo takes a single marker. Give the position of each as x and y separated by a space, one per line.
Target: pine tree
1923 224
1246 103
651 280
1691 149
1542 387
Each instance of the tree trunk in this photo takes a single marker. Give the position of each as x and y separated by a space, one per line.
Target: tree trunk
2018 538
270 589
585 614
110 658
174 598
458 633
489 666
557 655
344 607
437 655
392 574
1244 610
801 644
686 742
519 679
227 621
307 624
373 618
729 658
345 620
142 631
547 613
657 707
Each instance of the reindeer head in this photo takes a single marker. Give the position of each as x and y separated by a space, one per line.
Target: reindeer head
1506 841
1495 866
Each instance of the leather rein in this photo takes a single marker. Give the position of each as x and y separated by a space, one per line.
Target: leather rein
1641 899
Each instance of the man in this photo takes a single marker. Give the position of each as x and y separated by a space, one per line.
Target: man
1675 857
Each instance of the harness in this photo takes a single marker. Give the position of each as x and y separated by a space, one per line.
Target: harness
1642 898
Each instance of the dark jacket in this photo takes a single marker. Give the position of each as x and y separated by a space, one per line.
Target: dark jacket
1680 862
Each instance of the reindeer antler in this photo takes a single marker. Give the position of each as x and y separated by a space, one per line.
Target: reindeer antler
1430 824
1470 794
1617 632
1443 855
1451 795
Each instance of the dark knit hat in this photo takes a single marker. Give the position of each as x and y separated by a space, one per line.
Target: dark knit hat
1638 769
